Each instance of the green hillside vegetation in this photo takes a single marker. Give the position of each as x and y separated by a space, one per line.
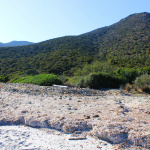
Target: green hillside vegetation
121 50
127 74
42 79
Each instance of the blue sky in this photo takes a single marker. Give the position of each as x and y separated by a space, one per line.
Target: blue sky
40 20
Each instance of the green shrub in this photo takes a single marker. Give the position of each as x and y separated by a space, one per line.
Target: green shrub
142 80
99 80
94 67
128 74
42 79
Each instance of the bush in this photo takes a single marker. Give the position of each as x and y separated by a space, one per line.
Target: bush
128 74
135 88
131 74
128 87
42 79
142 80
99 80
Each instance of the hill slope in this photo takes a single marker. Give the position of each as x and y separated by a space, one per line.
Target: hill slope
124 44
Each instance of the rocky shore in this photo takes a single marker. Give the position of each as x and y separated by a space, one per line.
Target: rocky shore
115 116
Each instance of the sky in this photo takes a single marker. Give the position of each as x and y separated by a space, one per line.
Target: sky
40 20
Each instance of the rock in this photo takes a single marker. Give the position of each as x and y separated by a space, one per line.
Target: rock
113 133
95 116
73 126
113 136
24 111
77 138
138 139
87 117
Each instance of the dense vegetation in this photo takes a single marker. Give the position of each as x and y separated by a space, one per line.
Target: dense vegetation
120 51
42 79
99 80
106 76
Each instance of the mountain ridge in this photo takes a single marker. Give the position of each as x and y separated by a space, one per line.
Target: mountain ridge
123 44
15 43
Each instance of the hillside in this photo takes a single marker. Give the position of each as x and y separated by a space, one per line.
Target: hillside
15 43
123 44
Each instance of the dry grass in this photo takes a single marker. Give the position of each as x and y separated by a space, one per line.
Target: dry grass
135 88
128 87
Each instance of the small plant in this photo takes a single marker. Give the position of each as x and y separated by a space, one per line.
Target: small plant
128 87
135 88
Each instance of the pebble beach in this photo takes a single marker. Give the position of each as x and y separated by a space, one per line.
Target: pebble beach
43 117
